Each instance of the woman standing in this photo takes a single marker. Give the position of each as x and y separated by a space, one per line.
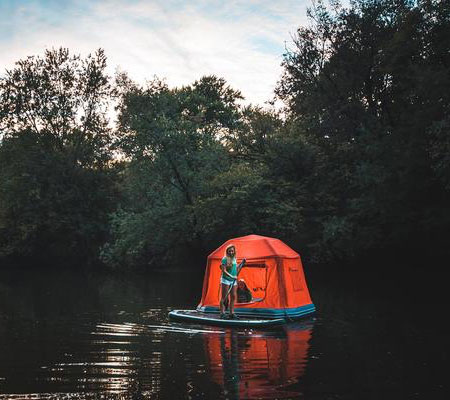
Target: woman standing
227 279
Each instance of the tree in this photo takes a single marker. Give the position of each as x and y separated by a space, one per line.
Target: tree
55 184
171 138
369 86
196 173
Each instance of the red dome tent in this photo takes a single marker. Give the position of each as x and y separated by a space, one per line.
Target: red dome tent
273 273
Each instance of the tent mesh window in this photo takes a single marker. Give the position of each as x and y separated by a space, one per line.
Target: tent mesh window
296 278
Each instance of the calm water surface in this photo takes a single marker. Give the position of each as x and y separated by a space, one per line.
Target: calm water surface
63 335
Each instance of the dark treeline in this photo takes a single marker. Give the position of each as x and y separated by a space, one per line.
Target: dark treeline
356 164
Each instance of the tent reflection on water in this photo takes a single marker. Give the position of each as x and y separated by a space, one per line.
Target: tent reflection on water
259 364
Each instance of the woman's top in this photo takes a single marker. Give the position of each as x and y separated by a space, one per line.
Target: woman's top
231 270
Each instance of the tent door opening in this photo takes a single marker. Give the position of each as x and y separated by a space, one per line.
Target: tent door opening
252 284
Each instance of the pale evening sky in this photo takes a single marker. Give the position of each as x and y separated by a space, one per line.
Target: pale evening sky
181 41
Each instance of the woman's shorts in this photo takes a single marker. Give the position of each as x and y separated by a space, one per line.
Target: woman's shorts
225 282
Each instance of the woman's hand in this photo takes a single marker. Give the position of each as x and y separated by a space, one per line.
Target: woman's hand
231 276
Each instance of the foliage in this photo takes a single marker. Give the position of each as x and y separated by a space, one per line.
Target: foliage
55 186
356 164
369 85
196 173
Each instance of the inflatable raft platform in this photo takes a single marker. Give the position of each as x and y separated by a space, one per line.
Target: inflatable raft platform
198 317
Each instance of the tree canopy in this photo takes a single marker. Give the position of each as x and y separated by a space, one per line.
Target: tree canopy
369 85
190 178
55 191
357 162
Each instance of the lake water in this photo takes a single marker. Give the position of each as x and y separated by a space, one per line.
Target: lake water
71 336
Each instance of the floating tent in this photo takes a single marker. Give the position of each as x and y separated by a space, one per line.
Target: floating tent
273 273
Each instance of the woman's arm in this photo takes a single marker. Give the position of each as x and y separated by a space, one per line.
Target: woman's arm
224 270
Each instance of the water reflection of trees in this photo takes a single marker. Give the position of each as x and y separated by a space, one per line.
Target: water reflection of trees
254 364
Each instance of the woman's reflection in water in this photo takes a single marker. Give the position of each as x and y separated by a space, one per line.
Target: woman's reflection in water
230 363
258 364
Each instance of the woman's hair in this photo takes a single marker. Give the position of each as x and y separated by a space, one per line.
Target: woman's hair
230 259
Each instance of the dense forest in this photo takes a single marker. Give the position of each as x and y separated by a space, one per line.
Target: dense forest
356 163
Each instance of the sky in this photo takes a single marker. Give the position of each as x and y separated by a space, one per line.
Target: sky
242 41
